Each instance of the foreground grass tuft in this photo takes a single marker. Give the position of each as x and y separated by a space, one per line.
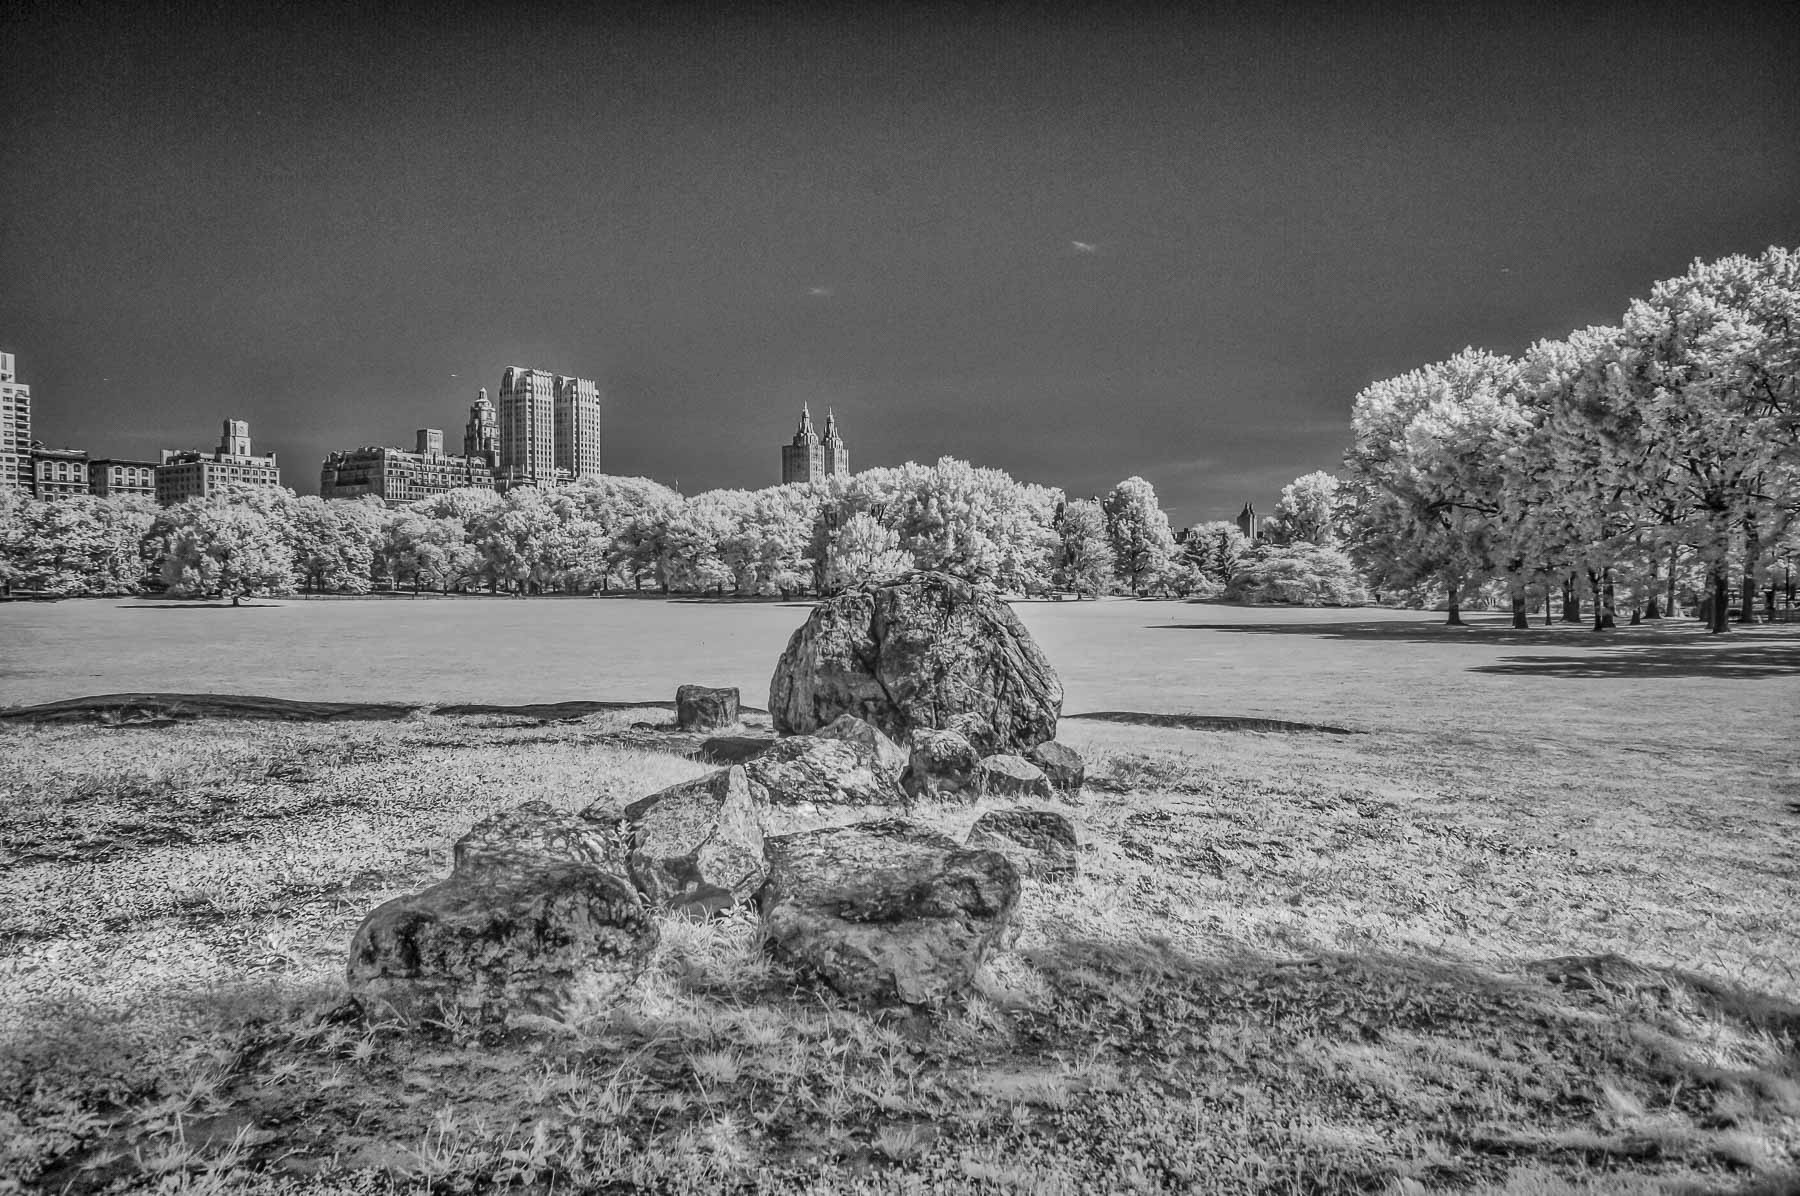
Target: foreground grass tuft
1292 964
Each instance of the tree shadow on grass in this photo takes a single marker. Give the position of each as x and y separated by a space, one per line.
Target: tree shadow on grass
1733 661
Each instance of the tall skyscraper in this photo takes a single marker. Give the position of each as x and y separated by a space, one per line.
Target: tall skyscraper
481 436
810 458
549 427
577 427
15 429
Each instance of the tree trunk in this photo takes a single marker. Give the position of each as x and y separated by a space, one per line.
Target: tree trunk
1752 559
1515 581
1455 619
1717 618
1609 603
1571 601
1651 610
1669 597
1603 620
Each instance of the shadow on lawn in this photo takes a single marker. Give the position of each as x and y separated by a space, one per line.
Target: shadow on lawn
1679 649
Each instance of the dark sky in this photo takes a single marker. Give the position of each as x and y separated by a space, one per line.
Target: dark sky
338 225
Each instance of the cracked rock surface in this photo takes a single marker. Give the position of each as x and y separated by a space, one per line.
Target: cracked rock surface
925 651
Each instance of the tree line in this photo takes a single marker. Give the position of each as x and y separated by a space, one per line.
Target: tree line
609 533
1632 465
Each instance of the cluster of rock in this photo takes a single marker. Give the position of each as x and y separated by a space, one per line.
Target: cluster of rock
923 690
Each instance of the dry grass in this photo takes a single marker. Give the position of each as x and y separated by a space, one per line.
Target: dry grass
1293 964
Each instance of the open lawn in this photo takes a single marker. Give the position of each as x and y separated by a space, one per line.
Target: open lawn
1294 962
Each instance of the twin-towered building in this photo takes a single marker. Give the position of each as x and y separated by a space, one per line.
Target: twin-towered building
810 457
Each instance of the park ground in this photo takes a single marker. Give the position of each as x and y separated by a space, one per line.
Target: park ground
1531 928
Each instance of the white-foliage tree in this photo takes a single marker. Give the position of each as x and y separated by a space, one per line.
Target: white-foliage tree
1084 555
864 552
227 547
1427 465
1138 528
1307 511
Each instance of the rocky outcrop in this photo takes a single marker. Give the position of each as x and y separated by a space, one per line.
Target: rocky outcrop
697 847
1062 764
854 730
699 708
539 833
914 654
503 943
885 911
811 775
1011 777
1040 843
942 767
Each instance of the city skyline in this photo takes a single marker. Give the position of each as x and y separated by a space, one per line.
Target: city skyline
1073 246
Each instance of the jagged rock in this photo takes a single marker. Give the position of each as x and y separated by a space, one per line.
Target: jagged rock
886 911
698 846
539 833
1061 763
855 730
1011 777
700 708
1040 843
914 654
807 773
942 767
504 943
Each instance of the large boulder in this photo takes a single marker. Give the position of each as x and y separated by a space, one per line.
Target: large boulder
942 767
1015 777
1061 763
701 708
915 653
503 943
697 847
539 833
886 911
814 775
1040 843
855 730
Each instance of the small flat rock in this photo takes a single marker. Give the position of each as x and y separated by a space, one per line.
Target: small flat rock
941 767
500 945
886 911
1040 843
538 833
703 708
1014 777
697 847
1061 763
855 730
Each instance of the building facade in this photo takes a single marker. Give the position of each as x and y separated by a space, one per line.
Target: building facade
1248 523
527 414
192 473
481 435
810 457
58 473
109 476
549 428
16 472
397 477
577 428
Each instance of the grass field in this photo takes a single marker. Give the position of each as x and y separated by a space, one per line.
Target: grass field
1293 962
